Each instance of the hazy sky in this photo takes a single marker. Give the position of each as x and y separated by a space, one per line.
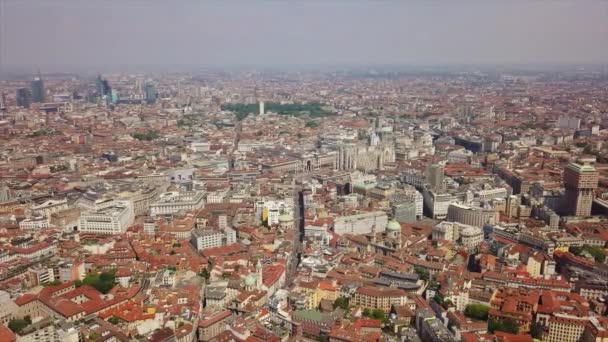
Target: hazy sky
56 34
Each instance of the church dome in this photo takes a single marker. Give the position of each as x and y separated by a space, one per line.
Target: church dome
285 218
393 226
250 280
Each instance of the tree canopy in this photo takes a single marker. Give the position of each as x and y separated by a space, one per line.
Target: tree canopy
103 282
16 325
477 311
378 314
147 136
596 252
342 303
506 325
312 109
422 272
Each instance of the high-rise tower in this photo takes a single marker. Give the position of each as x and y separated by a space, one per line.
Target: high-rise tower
38 89
3 104
435 177
24 97
580 180
150 92
103 87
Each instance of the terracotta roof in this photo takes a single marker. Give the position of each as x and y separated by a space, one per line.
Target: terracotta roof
6 335
204 323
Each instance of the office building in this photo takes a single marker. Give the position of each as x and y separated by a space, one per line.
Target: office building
114 96
512 206
407 205
437 204
110 220
103 86
174 202
471 215
3 105
567 122
150 92
38 90
363 223
404 212
5 193
468 236
24 97
580 180
435 177
203 239
431 329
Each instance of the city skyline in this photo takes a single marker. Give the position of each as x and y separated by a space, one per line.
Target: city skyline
335 171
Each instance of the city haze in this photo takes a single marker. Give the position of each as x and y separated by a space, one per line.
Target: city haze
66 35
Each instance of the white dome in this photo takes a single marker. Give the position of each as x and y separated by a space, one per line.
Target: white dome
250 280
393 226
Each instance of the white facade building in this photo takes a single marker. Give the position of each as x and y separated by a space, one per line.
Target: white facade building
437 204
174 202
469 236
50 207
110 220
272 209
363 223
218 196
492 194
203 239
35 223
200 146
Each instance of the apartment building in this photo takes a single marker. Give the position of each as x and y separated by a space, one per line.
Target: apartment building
379 298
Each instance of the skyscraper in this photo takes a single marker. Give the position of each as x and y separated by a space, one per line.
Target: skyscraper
3 105
37 90
24 97
434 177
150 92
114 96
103 87
580 180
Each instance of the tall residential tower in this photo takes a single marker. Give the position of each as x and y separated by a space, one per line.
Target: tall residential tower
435 177
580 180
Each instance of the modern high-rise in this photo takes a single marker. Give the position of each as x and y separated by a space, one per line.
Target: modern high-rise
114 96
3 104
434 177
37 90
580 180
103 86
150 92
24 97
